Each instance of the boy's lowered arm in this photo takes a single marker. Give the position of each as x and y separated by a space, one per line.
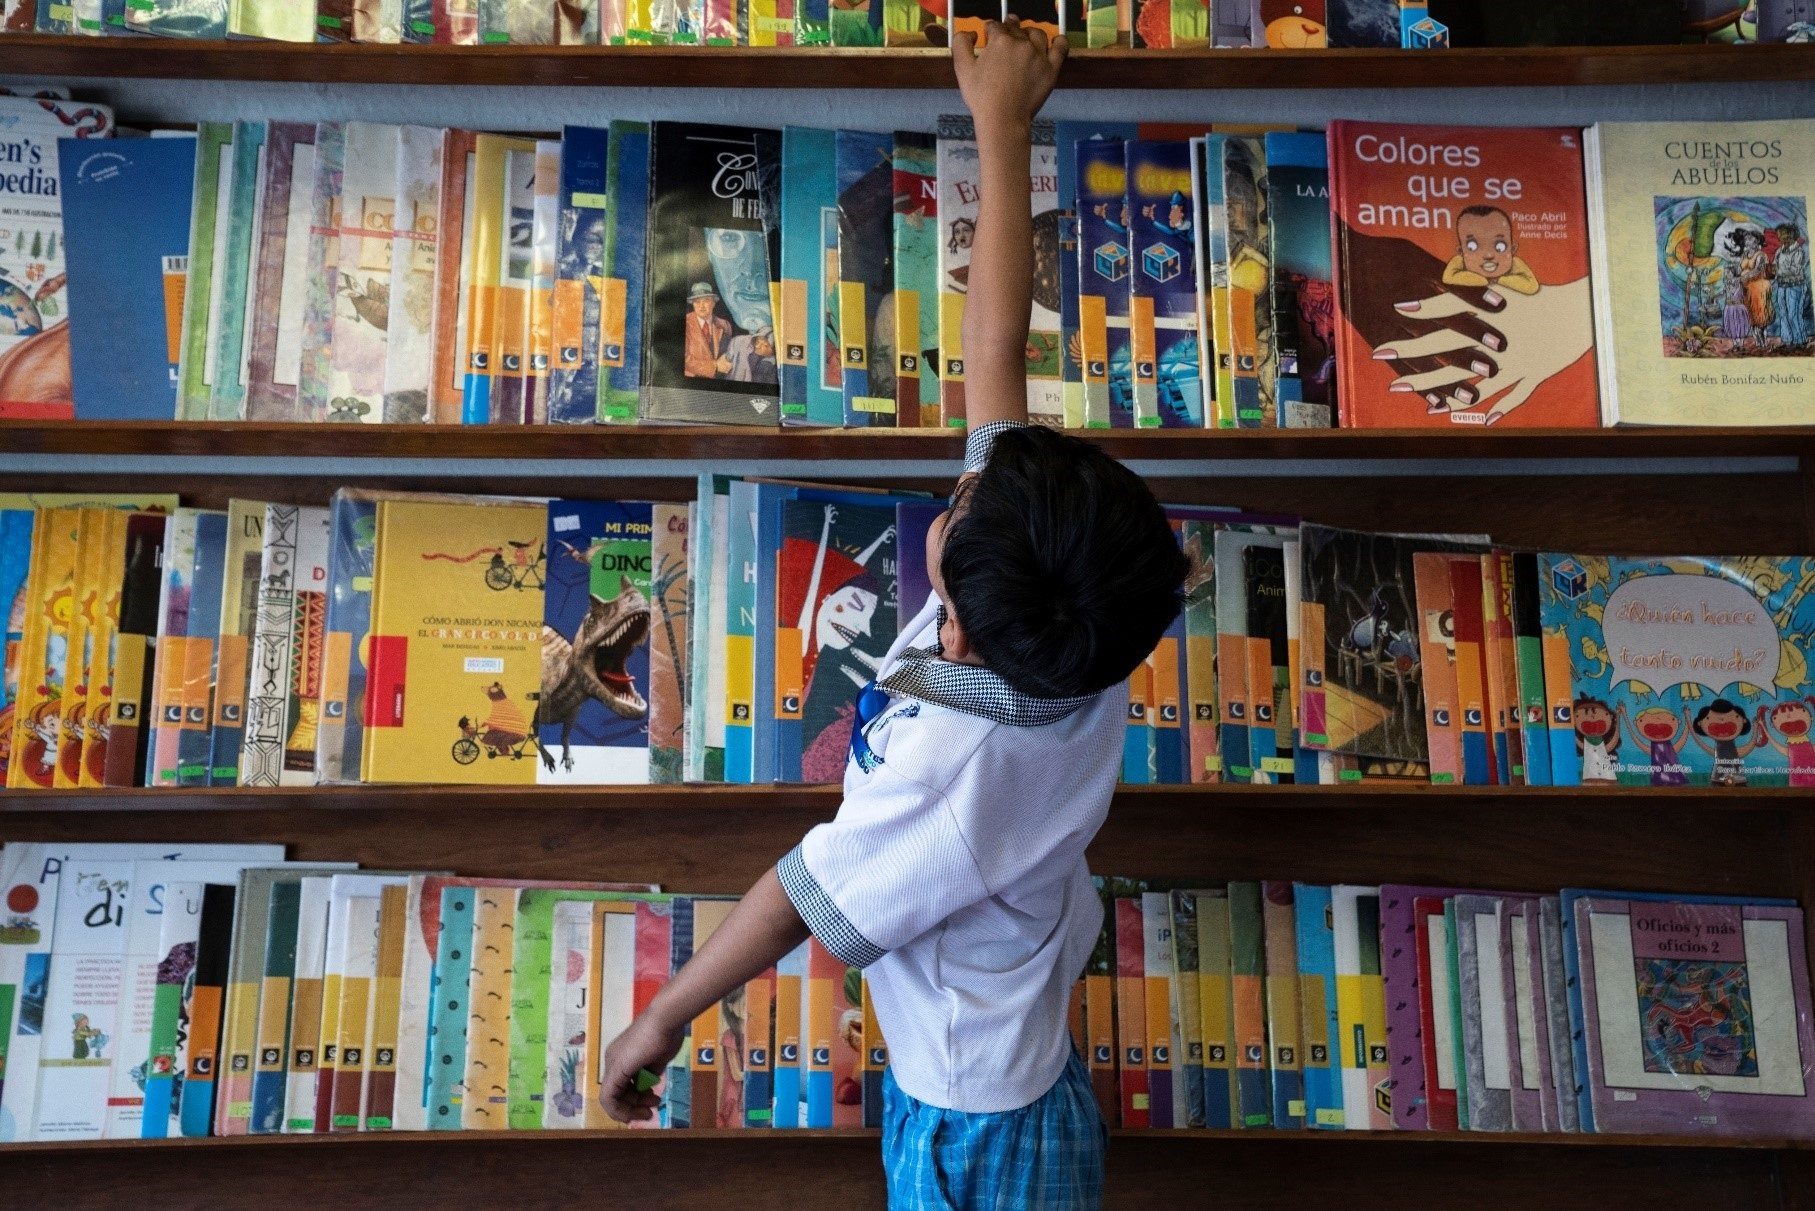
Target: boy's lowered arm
1004 83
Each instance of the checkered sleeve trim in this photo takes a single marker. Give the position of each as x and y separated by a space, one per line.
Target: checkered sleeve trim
815 907
978 445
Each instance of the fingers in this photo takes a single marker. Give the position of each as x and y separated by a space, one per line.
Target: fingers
1443 340
1056 50
1459 301
1433 380
964 49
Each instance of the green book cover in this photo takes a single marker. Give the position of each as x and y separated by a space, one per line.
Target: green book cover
1454 1009
453 966
213 189
230 327
916 254
1248 968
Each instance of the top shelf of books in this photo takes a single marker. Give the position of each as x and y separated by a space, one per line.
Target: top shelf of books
825 67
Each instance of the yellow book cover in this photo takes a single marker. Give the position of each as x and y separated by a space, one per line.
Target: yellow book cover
1216 1006
487 1083
50 604
142 502
97 713
1699 233
479 270
454 661
72 708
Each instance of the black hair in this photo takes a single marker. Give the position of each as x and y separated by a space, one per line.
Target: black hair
1060 565
1721 704
1482 212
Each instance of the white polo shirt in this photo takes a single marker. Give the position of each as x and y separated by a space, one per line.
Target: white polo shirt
954 872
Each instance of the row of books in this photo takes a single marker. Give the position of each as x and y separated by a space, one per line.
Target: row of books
1379 275
420 638
154 992
1296 1005
1085 23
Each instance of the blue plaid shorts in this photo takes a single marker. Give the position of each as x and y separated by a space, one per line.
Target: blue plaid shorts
1047 1156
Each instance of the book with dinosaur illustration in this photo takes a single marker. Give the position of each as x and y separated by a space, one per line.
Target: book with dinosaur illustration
866 278
1304 302
959 173
240 583
812 390
573 375
1462 275
593 714
621 295
671 608
1163 285
916 262
415 259
708 324
454 658
1684 671
1700 239
278 288
234 278
315 362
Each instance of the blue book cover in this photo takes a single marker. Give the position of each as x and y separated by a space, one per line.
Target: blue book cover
621 302
866 276
593 715
740 636
195 743
453 973
1163 313
1317 978
1066 136
352 542
126 206
1304 299
831 618
1103 292
677 1090
812 387
1686 671
1572 966
573 376
793 966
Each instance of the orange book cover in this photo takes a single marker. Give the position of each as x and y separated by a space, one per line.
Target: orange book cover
73 706
50 603
1462 273
97 715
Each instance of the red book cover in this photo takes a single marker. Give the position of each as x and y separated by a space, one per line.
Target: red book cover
1461 260
1131 1013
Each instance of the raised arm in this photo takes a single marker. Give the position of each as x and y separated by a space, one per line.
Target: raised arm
1004 84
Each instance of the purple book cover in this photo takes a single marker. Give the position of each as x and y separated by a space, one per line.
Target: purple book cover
1697 1017
912 520
1532 1090
1399 974
280 272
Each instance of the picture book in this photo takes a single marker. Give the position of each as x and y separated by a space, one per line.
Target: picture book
1131 1015
1320 1035
1217 1005
866 270
322 270
1105 268
1304 299
671 605
812 390
1285 1041
1247 999
123 355
272 1048
195 740
82 988
233 276
595 651
352 533
448 380
213 953
240 583
1684 671
858 23
1237 697
709 335
1045 353
836 616
621 296
1485 1048
790 1093
1213 276
1461 252
1163 285
363 273
1437 649
1360 1005
960 175
486 240
1248 302
1706 231
1157 991
1186 1012
1204 762
738 646
278 286
916 263
179 929
282 697
16 551
43 663
1563 1077
543 261
301 1064
1695 1014
1271 738
212 193
96 707
1533 1099
1528 643
415 256
453 970
573 376
486 1095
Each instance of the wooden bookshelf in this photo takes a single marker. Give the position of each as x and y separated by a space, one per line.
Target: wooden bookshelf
573 442
823 67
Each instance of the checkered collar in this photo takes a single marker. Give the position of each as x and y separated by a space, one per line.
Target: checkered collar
925 676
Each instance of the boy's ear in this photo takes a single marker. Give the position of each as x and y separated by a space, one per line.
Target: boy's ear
954 643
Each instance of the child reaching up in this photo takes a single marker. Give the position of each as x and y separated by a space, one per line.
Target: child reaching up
983 760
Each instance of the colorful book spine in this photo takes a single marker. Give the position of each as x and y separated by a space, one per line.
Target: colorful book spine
484 236
790 1041
959 172
1285 1036
231 321
213 192
1298 204
306 1006
453 974
1187 1013
1217 1007
740 637
1156 945
573 391
195 739
269 1066
1163 285
1250 293
279 264
213 952
1528 642
1318 1024
677 1094
179 930
314 351
865 274
409 358
621 295
1247 994
1104 269
1131 1012
1361 1008
758 1047
916 259
244 558
448 381
1045 353
811 369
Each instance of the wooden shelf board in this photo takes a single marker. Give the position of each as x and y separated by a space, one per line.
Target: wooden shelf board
249 439
821 67
1183 1138
757 799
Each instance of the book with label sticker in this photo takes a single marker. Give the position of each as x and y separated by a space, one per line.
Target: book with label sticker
959 173
1361 1009
1304 300
487 233
1319 1029
1163 285
195 740
621 296
304 1056
573 375
1247 997
812 390
1105 269
916 261
867 347
1286 1049
1218 1009
1248 301
240 582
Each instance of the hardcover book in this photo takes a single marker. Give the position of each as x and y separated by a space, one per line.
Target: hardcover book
126 208
709 330
1705 227
1462 270
1685 671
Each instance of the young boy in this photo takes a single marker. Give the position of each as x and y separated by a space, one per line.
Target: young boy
982 763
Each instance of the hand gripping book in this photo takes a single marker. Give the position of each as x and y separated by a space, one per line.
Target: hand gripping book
916 260
1704 226
234 274
614 951
812 390
959 176
621 296
1463 277
867 346
708 323
280 272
